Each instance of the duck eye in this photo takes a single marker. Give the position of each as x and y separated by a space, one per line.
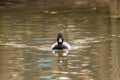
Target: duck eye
60 40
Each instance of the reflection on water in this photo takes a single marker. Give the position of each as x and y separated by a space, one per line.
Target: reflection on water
115 48
26 35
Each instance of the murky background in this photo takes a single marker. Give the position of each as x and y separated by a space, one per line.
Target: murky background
28 31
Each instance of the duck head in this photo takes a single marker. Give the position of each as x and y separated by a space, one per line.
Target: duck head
60 39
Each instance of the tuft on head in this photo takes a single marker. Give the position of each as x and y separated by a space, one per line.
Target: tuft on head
59 35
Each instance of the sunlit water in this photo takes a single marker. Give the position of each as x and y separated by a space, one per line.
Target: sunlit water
26 35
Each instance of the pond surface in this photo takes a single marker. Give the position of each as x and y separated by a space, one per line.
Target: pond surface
27 33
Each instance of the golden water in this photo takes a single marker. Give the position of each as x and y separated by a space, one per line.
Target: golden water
27 33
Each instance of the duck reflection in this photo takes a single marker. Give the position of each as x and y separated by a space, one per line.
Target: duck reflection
62 58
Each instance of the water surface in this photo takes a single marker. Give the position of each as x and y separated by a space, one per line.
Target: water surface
27 33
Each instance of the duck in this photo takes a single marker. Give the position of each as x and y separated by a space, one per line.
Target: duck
60 44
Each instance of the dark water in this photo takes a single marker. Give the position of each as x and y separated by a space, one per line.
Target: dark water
27 33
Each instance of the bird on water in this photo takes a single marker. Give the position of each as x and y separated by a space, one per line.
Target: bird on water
60 44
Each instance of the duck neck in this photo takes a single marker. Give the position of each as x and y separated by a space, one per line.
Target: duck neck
60 43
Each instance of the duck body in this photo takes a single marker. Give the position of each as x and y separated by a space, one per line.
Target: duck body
60 44
65 45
